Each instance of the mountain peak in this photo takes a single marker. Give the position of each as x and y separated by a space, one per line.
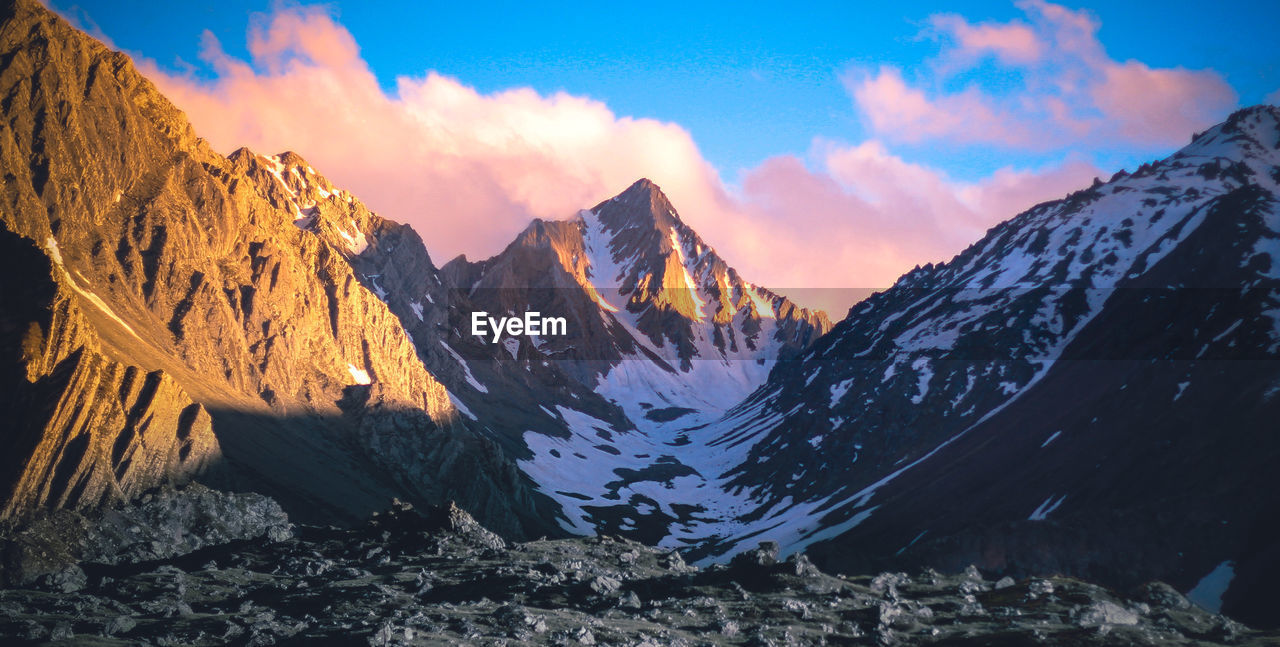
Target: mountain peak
643 186
1261 122
1255 130
643 203
40 44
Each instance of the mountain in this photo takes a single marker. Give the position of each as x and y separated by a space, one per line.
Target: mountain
661 334
641 290
166 318
662 330
1090 389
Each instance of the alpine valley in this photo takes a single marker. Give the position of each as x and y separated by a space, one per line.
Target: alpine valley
238 406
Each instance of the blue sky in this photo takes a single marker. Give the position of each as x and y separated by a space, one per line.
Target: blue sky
829 145
748 80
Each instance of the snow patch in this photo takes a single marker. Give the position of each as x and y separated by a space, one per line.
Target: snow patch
361 376
838 391
1182 386
925 373
471 379
1050 504
52 245
457 404
512 345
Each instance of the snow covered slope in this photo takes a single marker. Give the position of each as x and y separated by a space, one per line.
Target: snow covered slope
663 336
1129 329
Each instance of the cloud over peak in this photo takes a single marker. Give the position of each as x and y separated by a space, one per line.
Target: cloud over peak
468 170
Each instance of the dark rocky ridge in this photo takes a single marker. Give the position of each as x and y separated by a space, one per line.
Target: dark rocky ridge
1089 390
437 577
160 525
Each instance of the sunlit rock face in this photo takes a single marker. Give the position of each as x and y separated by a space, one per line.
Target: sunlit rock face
191 320
83 429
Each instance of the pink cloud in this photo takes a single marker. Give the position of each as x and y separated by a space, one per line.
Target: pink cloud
905 112
1072 32
1154 106
1009 191
1012 42
1071 92
307 35
469 170
866 216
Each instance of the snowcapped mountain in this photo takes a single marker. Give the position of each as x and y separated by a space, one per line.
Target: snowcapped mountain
637 249
662 335
671 338
1091 389
651 306
1098 373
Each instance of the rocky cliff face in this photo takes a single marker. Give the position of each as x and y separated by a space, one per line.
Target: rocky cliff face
82 429
385 257
192 268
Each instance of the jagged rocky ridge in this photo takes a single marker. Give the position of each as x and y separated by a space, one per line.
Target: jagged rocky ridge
84 429
183 305
437 577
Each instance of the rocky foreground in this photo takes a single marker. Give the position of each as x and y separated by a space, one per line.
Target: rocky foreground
163 572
